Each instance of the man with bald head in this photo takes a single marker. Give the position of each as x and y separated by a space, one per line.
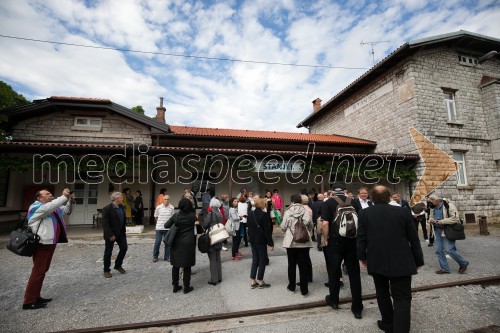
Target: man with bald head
388 246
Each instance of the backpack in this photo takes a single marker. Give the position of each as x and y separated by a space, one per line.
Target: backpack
346 218
300 233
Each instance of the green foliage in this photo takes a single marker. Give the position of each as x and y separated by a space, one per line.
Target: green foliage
138 109
342 169
9 98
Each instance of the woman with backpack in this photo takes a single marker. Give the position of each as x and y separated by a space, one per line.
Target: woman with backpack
297 221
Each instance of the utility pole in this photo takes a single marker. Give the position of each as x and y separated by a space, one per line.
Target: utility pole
372 44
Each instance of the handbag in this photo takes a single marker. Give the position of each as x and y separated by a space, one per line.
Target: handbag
300 234
277 216
23 241
229 227
169 237
204 242
454 231
218 233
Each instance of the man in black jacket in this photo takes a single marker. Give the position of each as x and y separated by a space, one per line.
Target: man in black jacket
388 246
113 224
362 200
340 248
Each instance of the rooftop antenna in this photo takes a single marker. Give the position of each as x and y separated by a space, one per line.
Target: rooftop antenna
373 43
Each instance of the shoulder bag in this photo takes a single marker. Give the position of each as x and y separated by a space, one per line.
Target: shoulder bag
23 241
454 231
217 233
204 242
169 237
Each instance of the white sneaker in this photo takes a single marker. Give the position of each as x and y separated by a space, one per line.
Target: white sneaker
427 240
224 248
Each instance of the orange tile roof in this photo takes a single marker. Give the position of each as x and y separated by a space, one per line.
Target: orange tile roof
153 149
291 136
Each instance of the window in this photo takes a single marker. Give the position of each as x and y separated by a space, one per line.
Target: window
88 122
449 100
467 60
459 157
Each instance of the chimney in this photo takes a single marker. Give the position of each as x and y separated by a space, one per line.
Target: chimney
160 112
316 104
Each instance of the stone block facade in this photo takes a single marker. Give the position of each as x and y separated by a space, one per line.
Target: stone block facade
114 129
416 99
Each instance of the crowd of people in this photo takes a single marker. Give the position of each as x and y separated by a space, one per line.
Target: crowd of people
385 241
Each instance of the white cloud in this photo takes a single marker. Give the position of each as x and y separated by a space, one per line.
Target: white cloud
200 92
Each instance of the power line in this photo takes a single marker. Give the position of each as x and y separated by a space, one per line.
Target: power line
178 55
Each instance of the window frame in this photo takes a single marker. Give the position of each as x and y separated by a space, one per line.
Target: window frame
88 122
462 167
451 111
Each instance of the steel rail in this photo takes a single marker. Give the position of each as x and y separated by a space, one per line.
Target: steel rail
490 280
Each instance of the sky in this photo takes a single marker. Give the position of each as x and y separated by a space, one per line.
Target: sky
316 48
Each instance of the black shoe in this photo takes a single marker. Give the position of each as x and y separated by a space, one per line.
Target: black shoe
177 288
357 315
327 285
212 283
430 245
43 300
33 306
334 306
188 290
384 327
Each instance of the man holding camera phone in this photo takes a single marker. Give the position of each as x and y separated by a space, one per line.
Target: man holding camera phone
45 216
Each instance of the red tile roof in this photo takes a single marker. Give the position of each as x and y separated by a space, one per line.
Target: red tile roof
271 135
153 149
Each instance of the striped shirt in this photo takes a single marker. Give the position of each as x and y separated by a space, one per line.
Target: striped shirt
163 214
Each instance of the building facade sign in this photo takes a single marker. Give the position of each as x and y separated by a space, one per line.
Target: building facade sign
386 88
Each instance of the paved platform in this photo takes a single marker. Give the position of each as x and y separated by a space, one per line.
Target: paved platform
82 297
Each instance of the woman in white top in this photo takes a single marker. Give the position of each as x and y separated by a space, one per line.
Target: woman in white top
235 220
243 210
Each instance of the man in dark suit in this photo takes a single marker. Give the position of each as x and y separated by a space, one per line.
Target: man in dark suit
389 247
403 203
362 200
340 248
113 224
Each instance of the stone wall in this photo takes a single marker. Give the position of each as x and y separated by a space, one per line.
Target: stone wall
417 100
61 127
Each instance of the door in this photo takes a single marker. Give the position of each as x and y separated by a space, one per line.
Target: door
86 203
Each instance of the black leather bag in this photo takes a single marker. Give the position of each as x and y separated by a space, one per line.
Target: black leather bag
454 231
204 242
23 241
170 235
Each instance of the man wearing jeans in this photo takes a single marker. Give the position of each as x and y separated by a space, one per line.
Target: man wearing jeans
442 214
163 213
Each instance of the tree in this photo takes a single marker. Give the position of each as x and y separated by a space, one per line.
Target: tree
8 98
138 108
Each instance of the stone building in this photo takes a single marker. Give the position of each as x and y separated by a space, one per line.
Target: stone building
81 143
446 87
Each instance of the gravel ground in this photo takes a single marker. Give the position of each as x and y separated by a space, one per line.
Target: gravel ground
84 298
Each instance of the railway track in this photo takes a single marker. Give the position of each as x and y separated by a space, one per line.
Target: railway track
486 281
